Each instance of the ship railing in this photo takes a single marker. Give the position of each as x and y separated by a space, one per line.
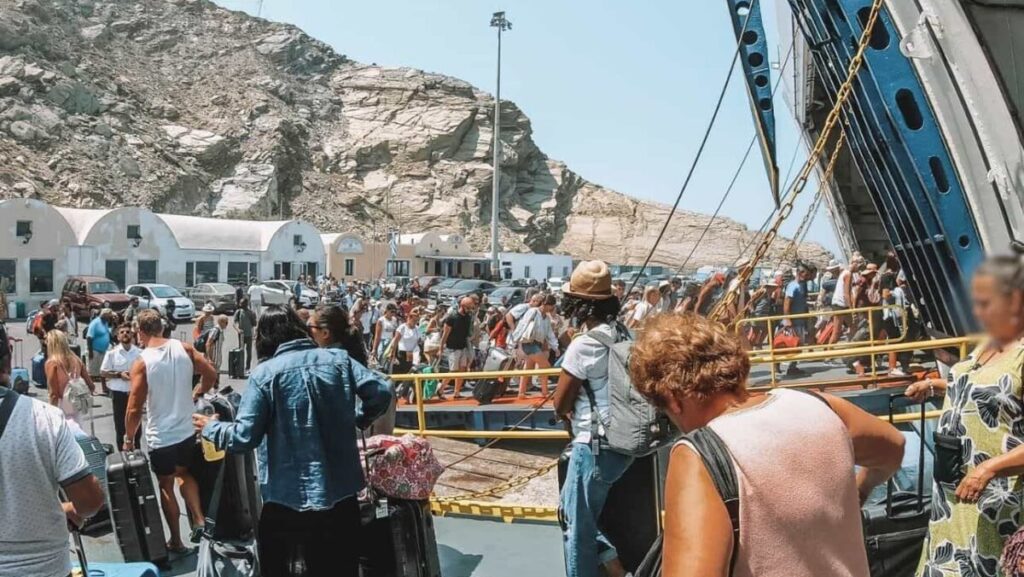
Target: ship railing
771 357
766 328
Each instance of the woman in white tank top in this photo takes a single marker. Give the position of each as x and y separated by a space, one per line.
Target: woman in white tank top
794 457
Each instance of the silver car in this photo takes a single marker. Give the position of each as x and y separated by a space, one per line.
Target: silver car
222 295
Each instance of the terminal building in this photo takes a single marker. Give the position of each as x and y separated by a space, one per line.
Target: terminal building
41 246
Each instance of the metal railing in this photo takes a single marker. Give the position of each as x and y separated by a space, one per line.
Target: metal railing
773 357
772 321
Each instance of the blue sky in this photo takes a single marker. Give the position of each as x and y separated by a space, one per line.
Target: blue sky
620 91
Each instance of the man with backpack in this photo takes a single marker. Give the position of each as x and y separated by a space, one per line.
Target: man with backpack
583 399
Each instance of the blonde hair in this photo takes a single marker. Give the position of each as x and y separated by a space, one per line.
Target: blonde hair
57 349
686 356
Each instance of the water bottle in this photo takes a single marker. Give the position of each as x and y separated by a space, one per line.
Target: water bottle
210 452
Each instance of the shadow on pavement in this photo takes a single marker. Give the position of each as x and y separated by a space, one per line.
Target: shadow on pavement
456 563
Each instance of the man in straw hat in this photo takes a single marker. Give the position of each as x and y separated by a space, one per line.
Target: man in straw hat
590 305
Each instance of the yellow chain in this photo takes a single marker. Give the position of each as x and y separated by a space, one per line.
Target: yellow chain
497 490
842 95
801 231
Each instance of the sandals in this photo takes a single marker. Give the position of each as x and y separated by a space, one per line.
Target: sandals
179 550
197 533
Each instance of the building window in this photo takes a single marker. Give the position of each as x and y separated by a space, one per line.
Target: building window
458 268
550 271
310 269
115 270
426 267
476 270
350 266
526 272
40 276
200 272
397 268
565 271
147 271
8 276
241 272
282 270
134 232
23 228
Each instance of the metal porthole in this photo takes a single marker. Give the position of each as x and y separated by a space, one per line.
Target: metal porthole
963 241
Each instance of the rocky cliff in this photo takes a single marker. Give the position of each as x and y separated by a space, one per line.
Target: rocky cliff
188 108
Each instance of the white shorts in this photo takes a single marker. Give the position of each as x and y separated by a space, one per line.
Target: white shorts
459 359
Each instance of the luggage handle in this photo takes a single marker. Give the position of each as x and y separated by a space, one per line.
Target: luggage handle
889 484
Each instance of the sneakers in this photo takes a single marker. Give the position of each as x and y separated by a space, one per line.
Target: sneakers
897 372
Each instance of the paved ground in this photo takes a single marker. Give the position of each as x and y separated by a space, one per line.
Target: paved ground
467 548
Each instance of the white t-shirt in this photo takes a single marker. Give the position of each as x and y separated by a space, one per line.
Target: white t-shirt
408 338
119 360
641 310
38 454
839 296
586 359
387 328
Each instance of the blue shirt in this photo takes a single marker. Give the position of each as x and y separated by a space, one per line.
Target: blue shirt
796 292
99 332
299 410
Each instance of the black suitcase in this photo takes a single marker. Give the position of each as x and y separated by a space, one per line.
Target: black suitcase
895 529
630 515
96 455
240 504
403 544
236 368
485 391
135 508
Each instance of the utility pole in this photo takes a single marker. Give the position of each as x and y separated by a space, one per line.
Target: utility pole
497 21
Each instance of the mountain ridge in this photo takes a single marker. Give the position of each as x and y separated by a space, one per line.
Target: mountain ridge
186 107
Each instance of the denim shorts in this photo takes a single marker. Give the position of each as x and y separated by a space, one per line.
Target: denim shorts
530 349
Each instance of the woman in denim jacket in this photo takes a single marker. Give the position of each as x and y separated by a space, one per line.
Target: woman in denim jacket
299 411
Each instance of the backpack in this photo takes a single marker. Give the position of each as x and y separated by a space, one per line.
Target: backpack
200 342
635 427
77 395
718 462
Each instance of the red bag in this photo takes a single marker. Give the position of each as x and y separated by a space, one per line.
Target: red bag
403 468
824 335
786 339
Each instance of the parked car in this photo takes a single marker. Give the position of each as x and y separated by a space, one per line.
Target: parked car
91 293
280 292
221 294
513 295
464 288
514 282
444 284
428 282
555 284
159 296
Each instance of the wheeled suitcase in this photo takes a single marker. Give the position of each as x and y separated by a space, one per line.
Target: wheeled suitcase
236 369
96 455
630 515
135 509
895 529
39 370
109 569
401 544
487 390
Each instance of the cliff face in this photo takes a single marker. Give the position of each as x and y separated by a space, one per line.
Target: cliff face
188 108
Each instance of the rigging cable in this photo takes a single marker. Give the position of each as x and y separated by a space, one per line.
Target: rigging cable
764 225
700 149
735 175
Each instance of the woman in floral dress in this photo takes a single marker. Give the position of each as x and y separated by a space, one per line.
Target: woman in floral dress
972 518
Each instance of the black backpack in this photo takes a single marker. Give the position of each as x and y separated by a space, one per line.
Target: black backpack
718 462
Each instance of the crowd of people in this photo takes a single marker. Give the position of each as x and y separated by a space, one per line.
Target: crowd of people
807 461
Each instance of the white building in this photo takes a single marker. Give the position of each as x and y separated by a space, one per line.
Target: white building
535 266
34 242
128 245
220 250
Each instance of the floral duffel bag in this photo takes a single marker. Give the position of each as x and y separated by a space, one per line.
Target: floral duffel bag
402 467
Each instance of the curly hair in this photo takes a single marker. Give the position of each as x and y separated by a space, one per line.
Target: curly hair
687 356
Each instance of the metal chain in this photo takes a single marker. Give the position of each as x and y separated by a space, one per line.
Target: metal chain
498 490
805 224
842 95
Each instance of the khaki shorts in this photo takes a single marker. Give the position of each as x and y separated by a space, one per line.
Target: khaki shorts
95 363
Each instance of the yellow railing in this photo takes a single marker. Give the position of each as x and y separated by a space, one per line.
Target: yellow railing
773 357
772 321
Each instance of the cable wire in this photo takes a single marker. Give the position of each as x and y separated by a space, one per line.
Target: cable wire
700 149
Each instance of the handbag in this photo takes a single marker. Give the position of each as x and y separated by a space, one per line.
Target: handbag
402 467
786 339
77 395
949 458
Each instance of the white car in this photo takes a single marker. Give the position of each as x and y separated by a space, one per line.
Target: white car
280 292
159 296
555 283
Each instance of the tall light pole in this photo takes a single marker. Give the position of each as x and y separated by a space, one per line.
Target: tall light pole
497 21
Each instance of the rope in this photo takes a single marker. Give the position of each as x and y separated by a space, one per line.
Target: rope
842 95
736 174
700 149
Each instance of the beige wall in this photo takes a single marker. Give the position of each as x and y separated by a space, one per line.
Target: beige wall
369 259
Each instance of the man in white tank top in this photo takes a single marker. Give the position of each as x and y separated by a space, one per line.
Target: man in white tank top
161 381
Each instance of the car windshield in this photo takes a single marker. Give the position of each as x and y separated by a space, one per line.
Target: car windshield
103 288
447 283
164 292
222 288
